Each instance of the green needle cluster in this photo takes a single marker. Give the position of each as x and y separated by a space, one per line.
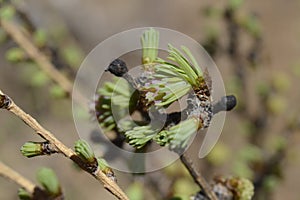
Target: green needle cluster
140 135
150 42
84 151
165 82
177 137
115 95
175 78
48 179
31 149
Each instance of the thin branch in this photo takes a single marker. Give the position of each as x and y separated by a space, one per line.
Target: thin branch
35 191
14 176
42 60
47 135
198 178
24 42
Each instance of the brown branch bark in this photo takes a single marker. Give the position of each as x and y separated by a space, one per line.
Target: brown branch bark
198 178
14 176
109 184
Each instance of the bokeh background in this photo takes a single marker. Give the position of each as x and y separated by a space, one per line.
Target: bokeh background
260 139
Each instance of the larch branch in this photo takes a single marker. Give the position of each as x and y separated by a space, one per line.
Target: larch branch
198 178
109 184
14 176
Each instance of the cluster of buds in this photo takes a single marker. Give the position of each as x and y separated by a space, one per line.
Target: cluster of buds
90 162
161 84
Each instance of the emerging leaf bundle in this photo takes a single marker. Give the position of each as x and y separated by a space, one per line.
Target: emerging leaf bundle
162 83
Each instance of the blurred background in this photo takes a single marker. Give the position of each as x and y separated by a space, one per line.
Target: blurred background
255 44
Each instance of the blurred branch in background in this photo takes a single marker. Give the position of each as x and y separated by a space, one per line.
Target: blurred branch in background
51 189
10 174
261 102
25 42
15 33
